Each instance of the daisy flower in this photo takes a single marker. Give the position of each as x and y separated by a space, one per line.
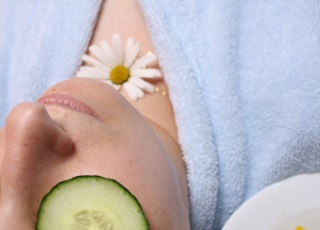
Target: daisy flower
120 67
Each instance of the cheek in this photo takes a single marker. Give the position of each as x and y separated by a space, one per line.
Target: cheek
132 154
135 160
145 170
151 176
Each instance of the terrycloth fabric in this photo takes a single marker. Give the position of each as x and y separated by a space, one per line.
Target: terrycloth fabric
41 43
244 79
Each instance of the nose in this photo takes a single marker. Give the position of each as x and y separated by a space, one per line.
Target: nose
35 146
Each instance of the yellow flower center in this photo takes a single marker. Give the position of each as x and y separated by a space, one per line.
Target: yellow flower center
119 75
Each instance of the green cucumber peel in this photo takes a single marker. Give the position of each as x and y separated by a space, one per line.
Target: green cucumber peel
90 203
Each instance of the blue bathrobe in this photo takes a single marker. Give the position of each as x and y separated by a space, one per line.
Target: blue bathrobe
243 76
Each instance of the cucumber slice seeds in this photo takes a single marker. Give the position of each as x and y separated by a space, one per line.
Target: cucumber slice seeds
90 203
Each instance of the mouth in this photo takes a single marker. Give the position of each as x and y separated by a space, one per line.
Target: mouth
68 102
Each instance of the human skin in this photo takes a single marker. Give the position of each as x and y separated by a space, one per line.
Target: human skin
47 141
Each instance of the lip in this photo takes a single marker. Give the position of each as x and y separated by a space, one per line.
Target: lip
68 102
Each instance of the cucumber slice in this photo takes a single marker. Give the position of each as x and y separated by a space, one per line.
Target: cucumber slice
90 203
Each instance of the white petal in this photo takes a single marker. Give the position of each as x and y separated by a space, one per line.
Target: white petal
109 53
142 84
146 73
117 87
117 49
133 92
144 61
91 72
131 52
95 63
98 53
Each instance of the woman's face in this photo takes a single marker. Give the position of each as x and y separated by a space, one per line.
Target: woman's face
84 127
